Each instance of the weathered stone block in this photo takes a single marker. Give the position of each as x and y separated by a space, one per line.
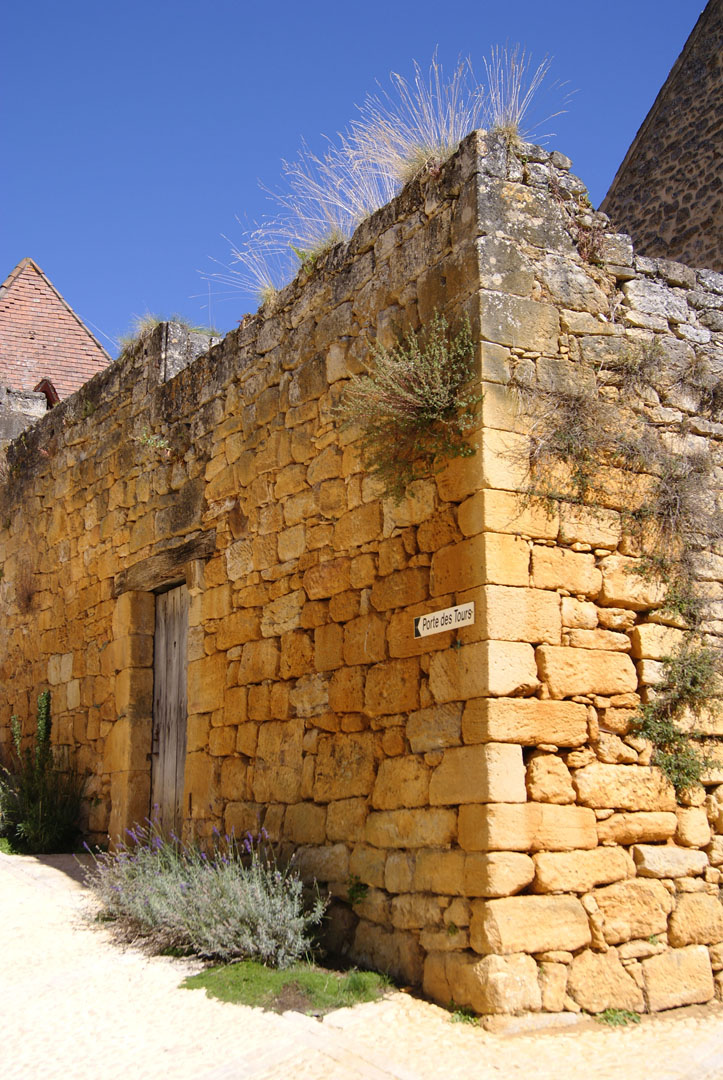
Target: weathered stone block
624 787
653 641
497 668
497 558
329 863
402 781
283 614
548 780
526 827
515 614
497 873
487 772
401 589
527 722
237 628
495 984
233 778
134 613
434 728
412 911
305 823
598 981
530 924
259 661
553 986
568 672
693 829
560 568
634 909
668 861
328 647
580 871
367 863
310 695
358 526
696 920
345 819
392 687
134 692
518 322
622 587
345 766
410 828
394 951
440 872
364 640
491 510
278 762
327 579
678 977
634 828
127 745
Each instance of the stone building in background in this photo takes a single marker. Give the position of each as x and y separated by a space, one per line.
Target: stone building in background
668 192
46 351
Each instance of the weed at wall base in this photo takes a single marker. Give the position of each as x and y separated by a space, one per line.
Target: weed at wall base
40 802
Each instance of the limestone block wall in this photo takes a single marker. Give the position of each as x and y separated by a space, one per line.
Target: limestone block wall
507 842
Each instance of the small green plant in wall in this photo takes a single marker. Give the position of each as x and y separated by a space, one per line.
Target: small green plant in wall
416 406
687 687
357 890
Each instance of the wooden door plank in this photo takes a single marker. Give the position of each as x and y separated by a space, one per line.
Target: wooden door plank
170 706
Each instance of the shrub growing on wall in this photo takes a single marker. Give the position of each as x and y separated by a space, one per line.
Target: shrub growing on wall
416 406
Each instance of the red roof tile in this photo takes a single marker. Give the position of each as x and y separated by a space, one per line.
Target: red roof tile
41 337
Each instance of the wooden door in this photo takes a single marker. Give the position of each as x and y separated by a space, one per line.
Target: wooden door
168 753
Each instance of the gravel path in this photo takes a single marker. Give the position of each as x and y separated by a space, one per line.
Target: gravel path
75 1006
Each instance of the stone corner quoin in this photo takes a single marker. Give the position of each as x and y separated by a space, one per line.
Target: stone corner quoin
520 851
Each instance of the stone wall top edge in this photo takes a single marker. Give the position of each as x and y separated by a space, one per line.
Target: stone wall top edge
478 154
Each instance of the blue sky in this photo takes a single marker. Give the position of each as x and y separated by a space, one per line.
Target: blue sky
133 133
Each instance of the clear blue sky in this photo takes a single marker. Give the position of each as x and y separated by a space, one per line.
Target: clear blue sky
133 133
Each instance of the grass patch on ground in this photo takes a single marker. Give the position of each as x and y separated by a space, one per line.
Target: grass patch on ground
302 988
5 846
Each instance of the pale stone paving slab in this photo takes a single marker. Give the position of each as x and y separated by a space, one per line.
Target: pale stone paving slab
74 1005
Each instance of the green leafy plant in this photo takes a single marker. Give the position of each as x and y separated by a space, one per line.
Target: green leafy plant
688 684
154 441
416 406
618 1017
462 1014
301 987
357 890
232 902
40 801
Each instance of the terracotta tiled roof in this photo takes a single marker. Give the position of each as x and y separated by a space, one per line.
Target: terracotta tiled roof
41 337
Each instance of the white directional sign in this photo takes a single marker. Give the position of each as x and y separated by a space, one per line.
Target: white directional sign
451 618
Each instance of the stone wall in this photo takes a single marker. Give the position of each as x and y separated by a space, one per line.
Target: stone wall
667 192
511 845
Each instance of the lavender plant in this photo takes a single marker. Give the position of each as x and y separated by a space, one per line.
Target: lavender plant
233 902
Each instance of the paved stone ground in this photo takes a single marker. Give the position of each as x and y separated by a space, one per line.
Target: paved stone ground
75 1006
